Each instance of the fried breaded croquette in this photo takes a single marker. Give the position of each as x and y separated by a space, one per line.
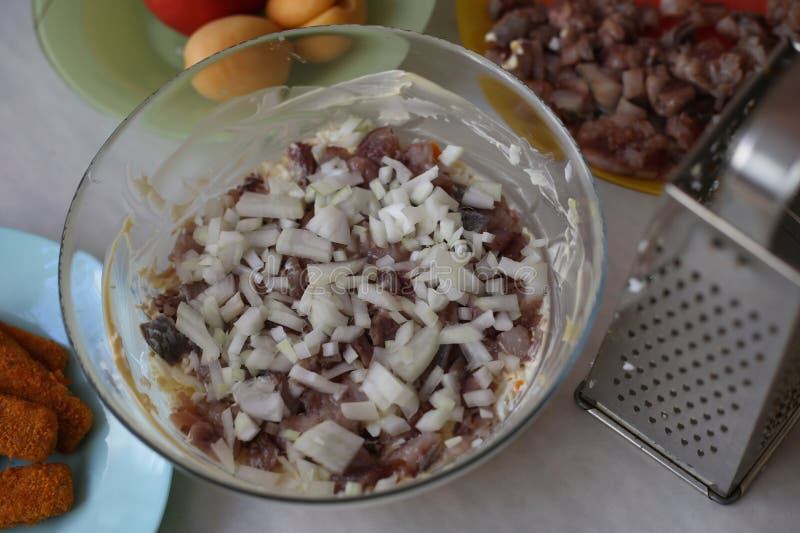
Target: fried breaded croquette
28 431
30 494
51 354
24 377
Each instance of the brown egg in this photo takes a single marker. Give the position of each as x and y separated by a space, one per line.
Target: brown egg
244 71
326 48
294 13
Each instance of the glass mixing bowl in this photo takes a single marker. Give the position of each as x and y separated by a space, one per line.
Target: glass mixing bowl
146 179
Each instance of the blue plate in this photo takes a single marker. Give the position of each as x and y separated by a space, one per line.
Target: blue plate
120 484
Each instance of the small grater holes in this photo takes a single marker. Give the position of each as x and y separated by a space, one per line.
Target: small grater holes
656 382
673 393
665 358
620 397
742 260
728 369
670 313
627 375
631 333
631 392
695 364
669 376
636 408
656 320
713 449
700 453
648 404
695 275
684 442
772 329
725 351
753 315
699 382
674 332
713 289
693 421
666 293
643 326
735 406
713 376
648 346
718 310
722 331
662 271
692 345
660 398
710 433
660 340
680 426
734 303
667 430
703 399
643 387
653 300
616 381
699 298
688 326
639 308
690 405
720 411
684 305
760 357
743 363
732 389
703 318
676 410
680 284
717 394
710 357
737 323
723 428
651 364
651 420
697 438
706 417
639 370
706 338
681 370
746 382
756 336
740 344
677 263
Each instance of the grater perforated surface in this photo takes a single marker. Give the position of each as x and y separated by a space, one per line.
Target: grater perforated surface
695 363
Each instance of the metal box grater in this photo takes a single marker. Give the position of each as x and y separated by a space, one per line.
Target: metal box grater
701 365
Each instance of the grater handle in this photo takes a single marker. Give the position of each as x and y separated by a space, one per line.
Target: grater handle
762 181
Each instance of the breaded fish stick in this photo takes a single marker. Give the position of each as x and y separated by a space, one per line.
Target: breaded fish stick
51 354
27 430
26 378
30 494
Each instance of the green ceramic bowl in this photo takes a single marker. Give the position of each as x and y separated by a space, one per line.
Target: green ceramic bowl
116 54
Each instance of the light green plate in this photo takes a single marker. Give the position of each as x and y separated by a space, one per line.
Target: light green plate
115 54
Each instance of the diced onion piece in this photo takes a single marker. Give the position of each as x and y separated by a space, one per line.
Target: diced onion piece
286 348
433 420
474 197
464 314
353 488
315 381
400 170
425 313
303 243
259 477
431 382
453 441
483 377
450 155
365 411
484 320
386 483
459 334
251 322
278 333
503 322
511 363
280 313
495 367
404 334
191 323
384 389
260 358
443 399
411 360
326 273
436 300
377 230
258 398
485 413
350 354
476 354
329 349
394 425
506 302
232 308
495 286
360 313
479 398
301 350
314 340
252 204
330 445
331 223
346 333
227 426
225 455
371 293
245 428
377 188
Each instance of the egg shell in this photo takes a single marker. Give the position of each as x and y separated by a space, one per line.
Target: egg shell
328 47
242 72
294 13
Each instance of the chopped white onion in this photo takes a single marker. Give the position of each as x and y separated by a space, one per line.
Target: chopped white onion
365 411
315 381
191 323
330 445
384 389
330 223
346 333
479 398
450 155
258 398
476 354
303 243
252 204
394 425
411 360
433 420
507 302
350 354
431 382
245 428
459 334
225 455
329 349
227 426
483 377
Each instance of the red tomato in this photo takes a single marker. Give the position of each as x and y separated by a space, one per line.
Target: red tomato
186 16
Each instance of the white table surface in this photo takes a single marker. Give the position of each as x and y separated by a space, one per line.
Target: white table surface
565 473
